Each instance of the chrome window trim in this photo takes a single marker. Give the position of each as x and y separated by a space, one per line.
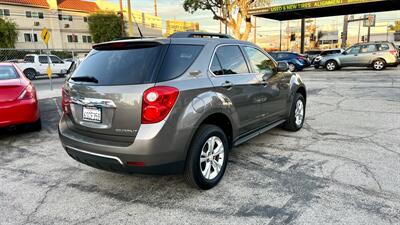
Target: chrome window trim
96 154
229 75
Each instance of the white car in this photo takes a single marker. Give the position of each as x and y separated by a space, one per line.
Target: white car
34 65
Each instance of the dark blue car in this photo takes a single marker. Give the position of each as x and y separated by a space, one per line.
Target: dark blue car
296 61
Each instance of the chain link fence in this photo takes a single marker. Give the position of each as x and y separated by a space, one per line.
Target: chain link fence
33 61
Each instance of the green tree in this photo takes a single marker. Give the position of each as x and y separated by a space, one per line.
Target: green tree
8 33
104 26
396 26
230 12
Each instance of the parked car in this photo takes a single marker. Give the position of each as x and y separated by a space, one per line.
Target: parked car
324 53
18 101
377 55
296 61
312 54
124 109
34 65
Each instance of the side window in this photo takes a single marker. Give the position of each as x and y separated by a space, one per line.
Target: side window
368 48
216 66
177 60
383 47
260 63
43 59
232 60
55 59
353 50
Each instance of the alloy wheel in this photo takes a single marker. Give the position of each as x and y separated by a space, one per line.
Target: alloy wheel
212 158
299 112
331 66
378 65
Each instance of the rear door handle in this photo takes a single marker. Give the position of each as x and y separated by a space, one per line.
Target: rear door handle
227 85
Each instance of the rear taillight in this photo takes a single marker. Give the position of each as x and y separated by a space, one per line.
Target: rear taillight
157 103
66 100
301 57
393 52
28 93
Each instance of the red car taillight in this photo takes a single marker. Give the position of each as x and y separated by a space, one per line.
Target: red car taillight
157 103
393 52
301 57
66 100
28 93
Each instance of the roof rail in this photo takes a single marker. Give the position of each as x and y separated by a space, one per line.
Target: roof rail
190 34
130 38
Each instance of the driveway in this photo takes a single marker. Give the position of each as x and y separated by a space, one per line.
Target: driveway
342 168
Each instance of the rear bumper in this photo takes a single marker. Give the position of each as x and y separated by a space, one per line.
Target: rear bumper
157 149
115 164
19 112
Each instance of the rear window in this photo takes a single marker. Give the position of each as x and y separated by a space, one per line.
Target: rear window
29 58
121 66
177 60
383 47
8 72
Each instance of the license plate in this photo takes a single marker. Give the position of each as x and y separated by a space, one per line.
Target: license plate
91 114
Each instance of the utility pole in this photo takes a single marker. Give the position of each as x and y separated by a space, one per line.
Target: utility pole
255 30
345 28
130 19
121 11
280 35
155 7
303 31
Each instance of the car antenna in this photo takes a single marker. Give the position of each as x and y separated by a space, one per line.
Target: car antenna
137 25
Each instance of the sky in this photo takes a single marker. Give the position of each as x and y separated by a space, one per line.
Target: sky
170 9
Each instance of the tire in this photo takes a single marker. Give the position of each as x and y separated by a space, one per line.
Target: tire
378 64
294 123
31 127
331 65
199 149
292 67
30 73
36 126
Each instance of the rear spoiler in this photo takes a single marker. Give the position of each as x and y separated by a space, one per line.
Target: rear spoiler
120 45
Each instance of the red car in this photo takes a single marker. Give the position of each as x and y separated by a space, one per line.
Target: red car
18 100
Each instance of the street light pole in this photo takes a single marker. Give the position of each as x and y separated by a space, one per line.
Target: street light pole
155 7
121 9
130 19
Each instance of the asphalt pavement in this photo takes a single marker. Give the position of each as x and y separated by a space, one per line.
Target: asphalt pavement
342 168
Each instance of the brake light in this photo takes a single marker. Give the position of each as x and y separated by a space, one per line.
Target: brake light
301 57
28 93
65 102
393 52
157 103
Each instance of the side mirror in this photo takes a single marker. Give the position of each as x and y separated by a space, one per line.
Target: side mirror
283 66
344 53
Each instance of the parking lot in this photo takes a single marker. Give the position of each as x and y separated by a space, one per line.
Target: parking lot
342 168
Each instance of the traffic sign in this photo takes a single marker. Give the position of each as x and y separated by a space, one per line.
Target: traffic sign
45 35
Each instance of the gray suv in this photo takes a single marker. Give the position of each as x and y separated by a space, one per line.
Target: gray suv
175 105
377 55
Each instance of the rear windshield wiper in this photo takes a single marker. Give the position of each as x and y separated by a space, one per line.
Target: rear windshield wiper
85 79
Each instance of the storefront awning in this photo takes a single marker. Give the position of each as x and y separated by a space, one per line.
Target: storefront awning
323 8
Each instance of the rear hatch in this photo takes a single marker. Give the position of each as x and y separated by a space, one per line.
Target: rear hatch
105 92
10 84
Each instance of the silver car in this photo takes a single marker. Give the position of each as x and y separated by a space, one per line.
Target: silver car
175 105
376 55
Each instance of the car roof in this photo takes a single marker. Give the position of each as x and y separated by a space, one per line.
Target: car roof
181 40
6 64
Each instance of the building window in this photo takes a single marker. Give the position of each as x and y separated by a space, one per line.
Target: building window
72 38
65 17
86 39
4 12
30 14
30 38
85 19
